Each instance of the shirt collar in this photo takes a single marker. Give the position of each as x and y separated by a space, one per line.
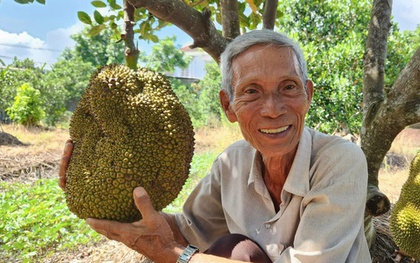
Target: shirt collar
255 174
297 181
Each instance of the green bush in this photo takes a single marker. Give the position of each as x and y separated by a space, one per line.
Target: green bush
27 108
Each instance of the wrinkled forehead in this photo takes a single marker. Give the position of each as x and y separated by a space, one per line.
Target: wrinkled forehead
270 51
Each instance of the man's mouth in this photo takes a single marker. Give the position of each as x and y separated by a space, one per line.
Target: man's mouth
273 131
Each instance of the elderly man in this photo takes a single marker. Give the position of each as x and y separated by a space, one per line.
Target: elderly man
284 194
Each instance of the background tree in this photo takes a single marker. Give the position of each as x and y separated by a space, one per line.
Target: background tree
17 74
165 56
70 74
208 106
99 49
7 91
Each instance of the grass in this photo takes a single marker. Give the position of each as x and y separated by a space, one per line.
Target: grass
36 221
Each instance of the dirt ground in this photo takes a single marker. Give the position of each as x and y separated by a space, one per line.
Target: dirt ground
29 154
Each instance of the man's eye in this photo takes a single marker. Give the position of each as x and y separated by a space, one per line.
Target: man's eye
290 87
251 91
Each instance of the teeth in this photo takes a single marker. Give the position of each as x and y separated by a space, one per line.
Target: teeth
278 130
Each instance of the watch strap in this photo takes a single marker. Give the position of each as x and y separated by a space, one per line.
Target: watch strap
186 255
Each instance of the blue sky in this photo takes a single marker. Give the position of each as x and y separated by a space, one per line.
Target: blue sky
41 32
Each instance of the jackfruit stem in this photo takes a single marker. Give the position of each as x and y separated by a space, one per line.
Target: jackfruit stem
131 58
131 52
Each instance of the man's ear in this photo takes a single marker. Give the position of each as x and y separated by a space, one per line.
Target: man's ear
309 90
226 106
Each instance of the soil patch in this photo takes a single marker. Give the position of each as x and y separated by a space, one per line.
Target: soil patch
406 143
8 139
28 154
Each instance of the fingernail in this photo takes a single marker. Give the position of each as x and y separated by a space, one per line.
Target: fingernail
139 191
66 149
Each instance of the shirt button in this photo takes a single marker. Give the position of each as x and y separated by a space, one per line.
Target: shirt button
267 225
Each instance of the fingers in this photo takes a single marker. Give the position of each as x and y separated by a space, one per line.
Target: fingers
65 158
126 233
62 183
149 236
143 203
108 228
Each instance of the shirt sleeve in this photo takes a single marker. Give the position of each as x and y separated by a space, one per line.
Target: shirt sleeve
331 226
203 219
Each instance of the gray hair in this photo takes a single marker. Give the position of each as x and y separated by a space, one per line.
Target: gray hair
247 40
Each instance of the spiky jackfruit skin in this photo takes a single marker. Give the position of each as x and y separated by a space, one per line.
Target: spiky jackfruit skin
405 216
129 130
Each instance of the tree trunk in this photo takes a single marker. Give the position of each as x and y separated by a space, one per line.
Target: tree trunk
373 97
385 115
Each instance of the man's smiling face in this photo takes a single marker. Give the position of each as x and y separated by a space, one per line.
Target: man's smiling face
270 99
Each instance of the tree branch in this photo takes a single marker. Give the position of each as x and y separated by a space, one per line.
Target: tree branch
375 53
230 18
405 94
131 52
270 12
197 25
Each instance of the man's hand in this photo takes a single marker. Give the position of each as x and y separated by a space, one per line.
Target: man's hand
65 159
151 236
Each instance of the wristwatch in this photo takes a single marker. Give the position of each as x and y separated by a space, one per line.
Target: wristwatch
186 255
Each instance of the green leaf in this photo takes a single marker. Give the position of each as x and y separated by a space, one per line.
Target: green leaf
98 17
113 4
98 4
95 30
41 1
139 14
154 38
144 28
120 14
255 20
24 1
116 7
84 17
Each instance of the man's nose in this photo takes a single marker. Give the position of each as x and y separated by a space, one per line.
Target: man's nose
274 106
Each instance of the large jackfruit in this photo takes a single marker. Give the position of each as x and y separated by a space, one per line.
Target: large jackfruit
129 130
405 216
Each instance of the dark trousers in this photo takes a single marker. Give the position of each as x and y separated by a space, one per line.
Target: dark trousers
238 247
